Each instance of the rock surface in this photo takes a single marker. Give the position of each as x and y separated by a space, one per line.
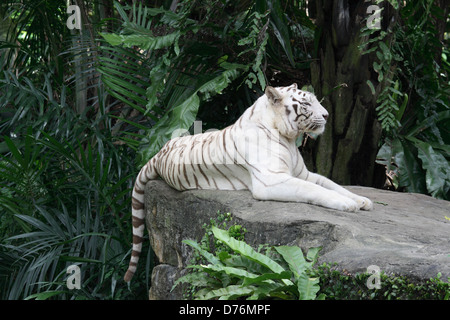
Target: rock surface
406 234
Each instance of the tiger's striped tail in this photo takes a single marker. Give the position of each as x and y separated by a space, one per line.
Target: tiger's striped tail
148 172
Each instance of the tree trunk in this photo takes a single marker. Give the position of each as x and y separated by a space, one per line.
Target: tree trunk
347 150
441 24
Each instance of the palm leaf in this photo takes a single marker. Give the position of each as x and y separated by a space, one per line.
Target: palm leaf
124 77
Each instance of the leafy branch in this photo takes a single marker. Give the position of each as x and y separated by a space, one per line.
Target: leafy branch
413 101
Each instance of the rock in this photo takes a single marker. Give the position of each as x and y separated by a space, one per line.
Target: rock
164 276
406 234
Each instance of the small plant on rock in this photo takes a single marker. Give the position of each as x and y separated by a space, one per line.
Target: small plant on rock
242 272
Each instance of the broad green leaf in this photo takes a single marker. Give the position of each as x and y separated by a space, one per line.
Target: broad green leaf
445 148
229 292
238 261
437 170
265 290
430 121
293 255
267 276
313 255
410 172
247 251
307 287
208 256
321 296
179 118
235 272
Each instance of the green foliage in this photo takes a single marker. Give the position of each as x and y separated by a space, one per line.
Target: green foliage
413 100
338 285
209 243
184 59
64 199
416 165
245 272
69 138
257 38
225 267
68 148
32 39
182 73
390 109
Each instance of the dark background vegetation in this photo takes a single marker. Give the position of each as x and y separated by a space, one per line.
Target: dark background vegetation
81 110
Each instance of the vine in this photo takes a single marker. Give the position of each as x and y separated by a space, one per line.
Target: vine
257 39
412 93
391 106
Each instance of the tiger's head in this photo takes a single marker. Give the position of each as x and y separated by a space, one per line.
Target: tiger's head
296 111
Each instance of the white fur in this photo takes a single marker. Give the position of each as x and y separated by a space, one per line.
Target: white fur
260 155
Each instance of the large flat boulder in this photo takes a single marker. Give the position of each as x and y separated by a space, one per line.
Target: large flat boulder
406 234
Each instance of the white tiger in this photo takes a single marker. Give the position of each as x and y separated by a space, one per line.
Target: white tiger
257 153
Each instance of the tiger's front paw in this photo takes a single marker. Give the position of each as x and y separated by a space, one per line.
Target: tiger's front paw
363 203
343 203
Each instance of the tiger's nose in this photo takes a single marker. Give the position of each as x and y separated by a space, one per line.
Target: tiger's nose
325 116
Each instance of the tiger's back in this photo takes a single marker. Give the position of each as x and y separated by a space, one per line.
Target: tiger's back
203 161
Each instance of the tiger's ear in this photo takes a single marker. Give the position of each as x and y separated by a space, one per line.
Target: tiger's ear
294 85
273 95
